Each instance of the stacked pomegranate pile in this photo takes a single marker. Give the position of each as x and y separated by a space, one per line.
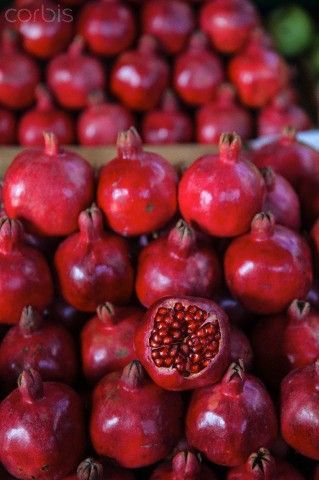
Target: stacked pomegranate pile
178 70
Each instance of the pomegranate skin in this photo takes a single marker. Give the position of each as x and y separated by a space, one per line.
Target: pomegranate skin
51 201
148 431
108 26
238 411
47 419
35 343
7 127
107 340
93 266
184 466
300 410
256 266
197 72
285 471
130 188
186 371
139 77
221 193
170 21
176 265
73 75
240 347
25 275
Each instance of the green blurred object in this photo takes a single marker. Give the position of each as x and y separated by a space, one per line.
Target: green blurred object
292 29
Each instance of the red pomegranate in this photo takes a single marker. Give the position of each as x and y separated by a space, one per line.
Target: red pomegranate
140 76
285 471
35 343
259 466
300 410
91 469
238 411
73 75
102 121
147 431
228 23
45 117
185 465
240 347
170 21
24 274
167 124
66 315
93 266
7 127
184 342
256 266
176 264
131 189
50 201
107 340
238 315
198 72
221 193
108 26
19 74
45 419
222 114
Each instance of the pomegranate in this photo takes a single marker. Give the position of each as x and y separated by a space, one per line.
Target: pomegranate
259 466
258 72
281 199
228 23
50 201
238 411
91 469
176 264
168 124
45 418
137 189
221 193
198 72
45 118
67 315
108 26
146 432
73 75
19 74
300 410
7 127
102 121
223 114
25 275
140 76
184 342
45 28
35 343
93 266
170 21
185 465
107 340
237 314
256 266
240 347
285 471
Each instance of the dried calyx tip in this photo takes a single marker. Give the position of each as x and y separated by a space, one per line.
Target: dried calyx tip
51 144
133 375
263 225
30 320
128 142
299 309
186 466
106 312
229 146
30 385
90 469
260 459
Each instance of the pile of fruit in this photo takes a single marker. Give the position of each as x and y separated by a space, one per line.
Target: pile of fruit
178 70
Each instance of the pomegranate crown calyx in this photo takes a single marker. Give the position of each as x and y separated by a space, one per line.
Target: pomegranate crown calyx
129 143
262 464
30 385
133 376
30 320
181 238
106 313
234 378
299 310
51 144
90 469
263 225
185 466
11 231
91 223
229 147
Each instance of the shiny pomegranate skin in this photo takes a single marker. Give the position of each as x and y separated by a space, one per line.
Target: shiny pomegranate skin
184 342
221 193
281 200
168 124
107 340
300 410
170 21
25 277
228 23
108 26
45 418
222 114
259 466
73 75
145 433
185 465
177 264
256 266
240 347
238 411
45 117
137 189
19 74
50 201
93 266
139 77
197 72
39 344
7 127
